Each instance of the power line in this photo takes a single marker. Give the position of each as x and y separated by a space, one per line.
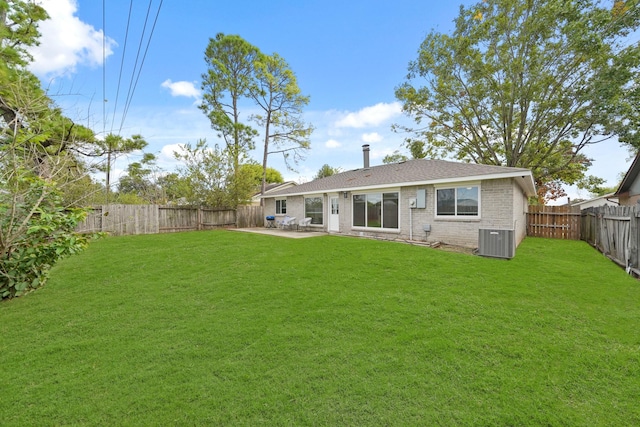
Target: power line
124 50
104 67
132 86
134 79
155 21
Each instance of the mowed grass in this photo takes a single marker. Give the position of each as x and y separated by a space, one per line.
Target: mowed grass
230 328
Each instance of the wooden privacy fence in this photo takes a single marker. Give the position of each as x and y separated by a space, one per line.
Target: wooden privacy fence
177 218
555 222
613 230
121 220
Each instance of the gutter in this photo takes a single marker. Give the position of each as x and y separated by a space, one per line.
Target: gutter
617 203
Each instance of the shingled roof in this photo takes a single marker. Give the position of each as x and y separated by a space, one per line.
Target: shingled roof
411 172
629 177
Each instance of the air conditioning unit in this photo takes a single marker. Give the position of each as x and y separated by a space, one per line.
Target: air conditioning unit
497 243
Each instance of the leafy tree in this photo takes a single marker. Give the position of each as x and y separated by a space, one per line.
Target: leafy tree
256 172
396 157
35 231
628 105
80 190
24 105
141 181
112 146
174 187
596 186
36 226
326 171
226 84
601 191
18 31
277 94
208 177
524 84
26 109
38 160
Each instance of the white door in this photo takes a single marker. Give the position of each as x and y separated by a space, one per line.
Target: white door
334 214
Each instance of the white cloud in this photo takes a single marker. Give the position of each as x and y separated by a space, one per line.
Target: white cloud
66 42
166 153
381 153
166 159
370 116
332 143
372 137
182 88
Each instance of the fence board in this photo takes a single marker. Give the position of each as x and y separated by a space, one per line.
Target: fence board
120 220
147 219
555 222
177 218
614 231
250 216
215 218
93 221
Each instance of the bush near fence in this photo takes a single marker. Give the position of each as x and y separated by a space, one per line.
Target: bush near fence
119 220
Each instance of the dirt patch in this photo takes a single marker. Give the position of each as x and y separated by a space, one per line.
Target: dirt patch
458 249
442 246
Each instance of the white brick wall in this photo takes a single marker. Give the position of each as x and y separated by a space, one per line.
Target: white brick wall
502 205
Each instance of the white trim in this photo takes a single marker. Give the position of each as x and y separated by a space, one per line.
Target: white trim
376 190
376 229
381 229
280 199
330 215
526 184
457 217
304 207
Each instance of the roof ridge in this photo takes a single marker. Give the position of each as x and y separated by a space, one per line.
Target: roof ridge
403 173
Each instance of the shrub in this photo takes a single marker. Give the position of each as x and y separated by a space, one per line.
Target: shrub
35 232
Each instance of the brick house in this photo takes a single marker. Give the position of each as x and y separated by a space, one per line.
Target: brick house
423 200
628 193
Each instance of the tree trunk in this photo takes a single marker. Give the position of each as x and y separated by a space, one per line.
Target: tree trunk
265 156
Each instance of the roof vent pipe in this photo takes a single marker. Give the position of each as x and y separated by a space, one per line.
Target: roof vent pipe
365 155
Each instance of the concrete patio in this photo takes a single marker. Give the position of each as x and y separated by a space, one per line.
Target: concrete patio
292 234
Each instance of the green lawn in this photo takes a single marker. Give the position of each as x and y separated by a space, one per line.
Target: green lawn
228 328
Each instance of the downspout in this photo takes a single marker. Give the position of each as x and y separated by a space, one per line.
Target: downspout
612 201
410 223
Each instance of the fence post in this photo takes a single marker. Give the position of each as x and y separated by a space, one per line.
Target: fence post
635 236
632 242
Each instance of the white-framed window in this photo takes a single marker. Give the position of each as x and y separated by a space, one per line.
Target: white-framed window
281 206
313 209
461 201
376 210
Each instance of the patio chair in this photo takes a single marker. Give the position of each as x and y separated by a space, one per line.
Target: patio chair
304 224
280 223
289 222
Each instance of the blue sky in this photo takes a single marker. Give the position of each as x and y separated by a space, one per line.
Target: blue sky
348 57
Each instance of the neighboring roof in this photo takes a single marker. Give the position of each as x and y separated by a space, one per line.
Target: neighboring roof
630 177
411 172
611 197
276 186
